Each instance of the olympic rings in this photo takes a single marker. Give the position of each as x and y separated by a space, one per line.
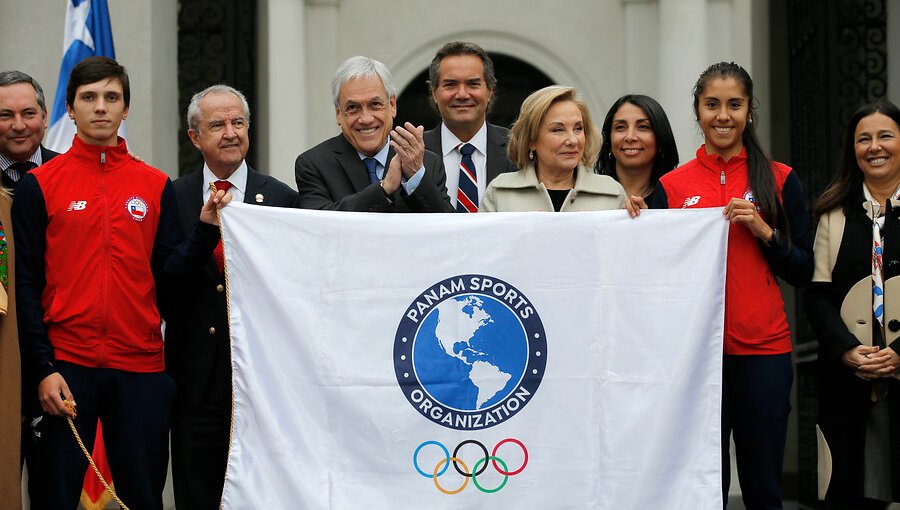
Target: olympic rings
505 476
456 454
416 458
477 470
438 485
524 462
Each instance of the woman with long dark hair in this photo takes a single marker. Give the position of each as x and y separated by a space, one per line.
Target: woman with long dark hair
853 308
769 236
638 145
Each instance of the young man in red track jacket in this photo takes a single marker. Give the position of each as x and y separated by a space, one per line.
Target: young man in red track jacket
97 232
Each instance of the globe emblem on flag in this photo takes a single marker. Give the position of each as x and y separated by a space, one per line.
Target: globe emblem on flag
470 352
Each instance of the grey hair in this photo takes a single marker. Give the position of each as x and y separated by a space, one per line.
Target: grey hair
361 67
8 78
193 109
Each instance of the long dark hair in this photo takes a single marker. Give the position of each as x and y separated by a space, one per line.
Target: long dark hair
846 188
666 158
759 166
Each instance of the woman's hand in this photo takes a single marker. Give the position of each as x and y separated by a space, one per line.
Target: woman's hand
744 212
634 204
885 364
871 362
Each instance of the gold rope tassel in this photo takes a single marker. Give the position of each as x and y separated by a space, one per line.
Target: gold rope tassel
71 407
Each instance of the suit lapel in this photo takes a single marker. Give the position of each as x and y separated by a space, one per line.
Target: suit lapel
496 153
433 141
350 163
255 186
47 154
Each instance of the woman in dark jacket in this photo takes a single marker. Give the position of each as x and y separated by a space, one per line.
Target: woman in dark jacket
638 145
854 308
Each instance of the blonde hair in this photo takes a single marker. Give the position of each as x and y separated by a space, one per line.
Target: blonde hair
525 130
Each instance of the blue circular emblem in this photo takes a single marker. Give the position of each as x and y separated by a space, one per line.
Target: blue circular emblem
470 352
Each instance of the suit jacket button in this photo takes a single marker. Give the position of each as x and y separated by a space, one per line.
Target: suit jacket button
893 263
220 288
894 325
212 330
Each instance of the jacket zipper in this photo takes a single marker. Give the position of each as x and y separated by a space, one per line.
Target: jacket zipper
722 187
104 217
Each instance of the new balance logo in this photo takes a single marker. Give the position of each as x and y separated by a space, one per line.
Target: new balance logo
77 205
689 201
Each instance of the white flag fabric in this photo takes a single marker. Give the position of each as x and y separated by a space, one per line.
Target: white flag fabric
521 360
88 32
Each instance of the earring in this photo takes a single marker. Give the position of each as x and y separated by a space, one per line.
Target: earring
531 154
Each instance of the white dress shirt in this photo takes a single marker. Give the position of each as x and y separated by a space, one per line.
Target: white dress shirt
238 182
452 157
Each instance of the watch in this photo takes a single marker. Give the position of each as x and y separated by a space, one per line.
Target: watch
773 241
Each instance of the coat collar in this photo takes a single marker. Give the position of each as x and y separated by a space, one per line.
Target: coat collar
586 181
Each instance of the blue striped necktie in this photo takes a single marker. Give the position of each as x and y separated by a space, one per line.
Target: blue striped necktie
371 166
467 193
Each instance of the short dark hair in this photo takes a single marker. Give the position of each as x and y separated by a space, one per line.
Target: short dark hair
666 157
457 48
94 69
8 78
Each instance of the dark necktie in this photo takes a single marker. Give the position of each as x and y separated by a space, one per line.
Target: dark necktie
371 169
219 253
467 192
14 173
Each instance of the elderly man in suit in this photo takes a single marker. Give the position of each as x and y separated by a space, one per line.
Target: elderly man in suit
462 82
369 167
197 339
23 120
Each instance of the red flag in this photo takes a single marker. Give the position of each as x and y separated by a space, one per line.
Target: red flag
93 494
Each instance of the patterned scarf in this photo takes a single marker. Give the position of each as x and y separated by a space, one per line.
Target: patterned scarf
877 252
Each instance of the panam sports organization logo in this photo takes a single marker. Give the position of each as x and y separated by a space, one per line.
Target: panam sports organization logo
136 207
470 352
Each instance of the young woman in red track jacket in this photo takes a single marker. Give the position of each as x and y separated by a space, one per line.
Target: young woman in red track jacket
770 236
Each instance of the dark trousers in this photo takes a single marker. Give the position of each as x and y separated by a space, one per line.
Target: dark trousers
199 455
135 409
756 402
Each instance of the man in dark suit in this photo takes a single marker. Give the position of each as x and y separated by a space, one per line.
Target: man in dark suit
462 82
197 338
23 120
357 170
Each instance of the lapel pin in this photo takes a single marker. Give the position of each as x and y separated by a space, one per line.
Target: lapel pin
259 198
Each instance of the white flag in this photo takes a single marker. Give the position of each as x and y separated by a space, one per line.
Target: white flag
522 360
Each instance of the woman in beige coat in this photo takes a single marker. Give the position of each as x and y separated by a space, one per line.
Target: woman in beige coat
554 143
10 369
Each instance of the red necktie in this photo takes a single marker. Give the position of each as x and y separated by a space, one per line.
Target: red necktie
218 254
